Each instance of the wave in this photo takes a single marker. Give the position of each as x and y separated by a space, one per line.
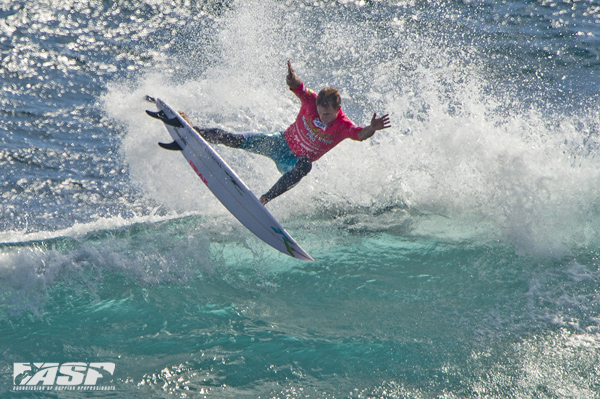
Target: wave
457 148
76 260
455 252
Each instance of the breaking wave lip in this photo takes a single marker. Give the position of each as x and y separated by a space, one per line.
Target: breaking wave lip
77 230
76 260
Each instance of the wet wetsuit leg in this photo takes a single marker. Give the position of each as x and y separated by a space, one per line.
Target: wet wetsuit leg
263 144
220 136
290 179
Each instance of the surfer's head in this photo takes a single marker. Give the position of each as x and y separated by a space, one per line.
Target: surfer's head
329 96
328 104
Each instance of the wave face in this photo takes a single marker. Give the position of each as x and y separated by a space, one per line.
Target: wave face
456 252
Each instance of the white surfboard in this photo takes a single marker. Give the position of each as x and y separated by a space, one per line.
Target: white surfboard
224 183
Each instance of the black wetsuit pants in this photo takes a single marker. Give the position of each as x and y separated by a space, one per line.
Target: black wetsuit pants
287 180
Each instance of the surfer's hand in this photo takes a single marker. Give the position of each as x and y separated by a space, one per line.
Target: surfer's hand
376 124
380 123
292 80
263 200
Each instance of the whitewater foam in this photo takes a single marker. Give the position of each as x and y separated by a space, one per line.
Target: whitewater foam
452 150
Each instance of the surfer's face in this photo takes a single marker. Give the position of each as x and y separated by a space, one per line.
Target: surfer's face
327 114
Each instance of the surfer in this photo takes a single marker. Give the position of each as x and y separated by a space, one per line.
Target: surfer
320 125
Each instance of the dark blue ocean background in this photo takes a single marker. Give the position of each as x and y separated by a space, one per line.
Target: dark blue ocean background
457 253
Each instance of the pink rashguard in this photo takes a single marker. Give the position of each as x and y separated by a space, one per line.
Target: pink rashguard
305 141
308 137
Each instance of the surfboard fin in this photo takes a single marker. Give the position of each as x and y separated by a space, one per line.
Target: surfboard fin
150 99
171 146
163 118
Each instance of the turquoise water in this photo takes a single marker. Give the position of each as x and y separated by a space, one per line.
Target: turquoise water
457 253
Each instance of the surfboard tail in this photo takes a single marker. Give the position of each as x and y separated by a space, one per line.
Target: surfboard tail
161 116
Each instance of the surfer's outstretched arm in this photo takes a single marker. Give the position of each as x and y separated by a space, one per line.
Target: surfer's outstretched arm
288 180
292 80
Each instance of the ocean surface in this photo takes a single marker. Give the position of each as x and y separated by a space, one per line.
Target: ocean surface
456 254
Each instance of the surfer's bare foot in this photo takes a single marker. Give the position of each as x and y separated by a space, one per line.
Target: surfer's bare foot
263 200
185 117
